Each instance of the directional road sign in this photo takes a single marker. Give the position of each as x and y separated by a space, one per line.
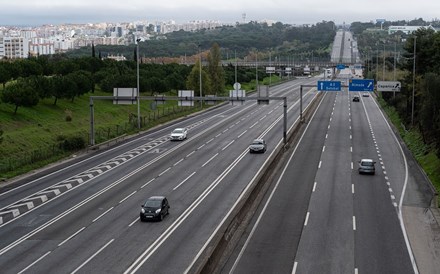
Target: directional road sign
340 66
329 85
388 86
361 85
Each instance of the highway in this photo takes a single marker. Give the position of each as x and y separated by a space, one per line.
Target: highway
83 216
320 215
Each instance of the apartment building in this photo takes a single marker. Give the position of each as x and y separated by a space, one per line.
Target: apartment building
14 47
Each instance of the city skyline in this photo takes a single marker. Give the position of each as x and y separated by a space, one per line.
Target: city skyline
34 13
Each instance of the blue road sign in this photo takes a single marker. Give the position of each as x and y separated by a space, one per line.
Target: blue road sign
361 85
340 66
329 85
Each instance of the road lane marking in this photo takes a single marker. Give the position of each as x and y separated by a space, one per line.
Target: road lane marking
352 188
132 223
323 148
218 135
210 159
209 141
201 146
93 256
295 265
163 172
189 154
186 179
241 134
230 143
178 162
314 187
319 165
254 124
32 264
147 183
102 214
307 218
71 236
121 201
354 222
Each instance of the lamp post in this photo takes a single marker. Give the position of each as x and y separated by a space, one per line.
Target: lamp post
137 80
413 82
200 77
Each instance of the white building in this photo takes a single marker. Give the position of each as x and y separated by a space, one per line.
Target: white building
406 29
14 47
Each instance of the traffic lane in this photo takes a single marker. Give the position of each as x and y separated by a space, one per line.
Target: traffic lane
391 158
327 241
272 244
380 246
176 254
83 214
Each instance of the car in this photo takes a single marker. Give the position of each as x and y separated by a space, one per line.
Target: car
356 98
155 208
257 146
365 94
367 166
178 134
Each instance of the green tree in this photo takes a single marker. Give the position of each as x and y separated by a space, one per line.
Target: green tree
193 80
5 75
20 94
215 70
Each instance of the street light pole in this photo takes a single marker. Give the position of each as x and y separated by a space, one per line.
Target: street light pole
200 78
413 83
137 80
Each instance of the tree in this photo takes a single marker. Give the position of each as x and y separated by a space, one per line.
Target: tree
20 94
5 75
193 80
215 70
93 50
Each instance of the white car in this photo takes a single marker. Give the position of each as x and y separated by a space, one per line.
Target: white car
178 134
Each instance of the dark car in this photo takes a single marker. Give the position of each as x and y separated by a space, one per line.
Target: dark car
155 208
356 98
366 166
257 146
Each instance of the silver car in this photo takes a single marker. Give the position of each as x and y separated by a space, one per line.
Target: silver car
367 166
178 134
257 146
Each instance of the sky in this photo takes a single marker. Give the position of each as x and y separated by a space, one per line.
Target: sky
39 12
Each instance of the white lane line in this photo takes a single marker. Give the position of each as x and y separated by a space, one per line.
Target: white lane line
218 135
326 136
210 141
225 130
295 266
210 159
351 149
201 146
178 162
93 256
121 201
354 222
320 162
32 264
307 218
351 165
190 154
351 136
323 148
230 143
105 212
186 179
256 123
71 236
262 117
241 134
328 127
132 223
165 171
147 183
314 187
356 271
352 188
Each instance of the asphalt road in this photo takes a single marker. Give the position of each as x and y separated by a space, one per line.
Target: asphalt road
83 216
321 215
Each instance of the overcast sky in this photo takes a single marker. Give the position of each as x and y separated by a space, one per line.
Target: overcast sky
38 12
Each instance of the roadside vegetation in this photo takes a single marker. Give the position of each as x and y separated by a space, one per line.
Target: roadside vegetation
44 100
420 129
